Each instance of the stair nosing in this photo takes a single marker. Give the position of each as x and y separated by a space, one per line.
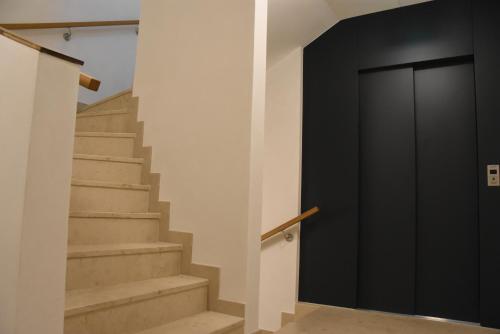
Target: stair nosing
155 248
114 302
98 113
115 215
109 185
106 134
108 158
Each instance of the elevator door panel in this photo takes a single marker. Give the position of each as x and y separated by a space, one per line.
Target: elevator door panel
447 229
387 191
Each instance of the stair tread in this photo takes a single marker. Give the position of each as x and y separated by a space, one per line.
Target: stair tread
81 251
88 300
108 158
101 184
105 134
101 113
118 215
201 323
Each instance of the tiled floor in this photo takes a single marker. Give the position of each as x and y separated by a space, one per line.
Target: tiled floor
346 321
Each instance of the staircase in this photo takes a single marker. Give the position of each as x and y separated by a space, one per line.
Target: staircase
120 277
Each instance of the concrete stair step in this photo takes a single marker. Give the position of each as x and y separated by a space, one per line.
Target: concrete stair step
90 228
104 265
105 143
104 120
132 307
201 323
107 168
120 100
87 195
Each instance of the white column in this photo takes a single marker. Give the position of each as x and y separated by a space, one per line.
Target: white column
282 174
256 167
200 80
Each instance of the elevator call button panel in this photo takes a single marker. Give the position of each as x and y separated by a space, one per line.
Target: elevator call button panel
493 175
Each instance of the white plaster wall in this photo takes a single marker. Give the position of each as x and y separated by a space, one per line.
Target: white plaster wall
17 87
282 173
71 10
42 269
37 115
109 53
201 99
294 23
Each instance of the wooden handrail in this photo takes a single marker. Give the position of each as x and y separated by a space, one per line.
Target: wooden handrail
289 223
21 40
89 82
85 80
58 25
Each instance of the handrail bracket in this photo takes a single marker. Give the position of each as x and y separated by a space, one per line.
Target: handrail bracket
284 227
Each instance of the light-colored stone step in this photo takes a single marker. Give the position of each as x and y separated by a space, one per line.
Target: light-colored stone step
93 228
103 121
132 307
105 143
103 265
120 100
107 168
108 197
201 323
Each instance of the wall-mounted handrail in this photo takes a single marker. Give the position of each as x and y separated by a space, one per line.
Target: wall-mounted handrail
289 223
58 25
10 35
89 82
85 80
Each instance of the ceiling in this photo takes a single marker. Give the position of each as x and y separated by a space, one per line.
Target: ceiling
296 23
350 8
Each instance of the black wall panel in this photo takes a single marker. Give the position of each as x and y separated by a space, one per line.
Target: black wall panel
430 32
487 69
433 30
387 191
447 208
329 241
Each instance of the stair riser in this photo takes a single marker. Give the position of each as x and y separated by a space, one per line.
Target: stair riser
95 231
113 146
108 123
235 331
120 102
134 317
108 199
82 273
107 171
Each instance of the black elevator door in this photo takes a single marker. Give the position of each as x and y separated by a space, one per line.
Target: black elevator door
418 231
386 278
447 229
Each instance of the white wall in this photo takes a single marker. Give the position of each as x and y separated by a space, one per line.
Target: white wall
199 77
282 173
344 9
16 108
294 23
109 53
37 115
